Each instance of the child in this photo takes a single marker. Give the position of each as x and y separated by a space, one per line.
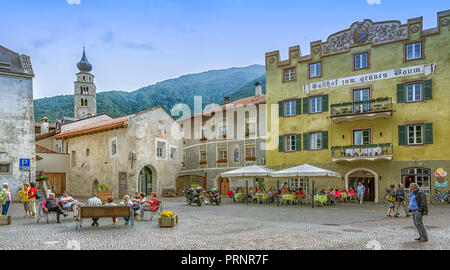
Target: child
110 202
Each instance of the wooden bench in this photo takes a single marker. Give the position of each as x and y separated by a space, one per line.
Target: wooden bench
104 212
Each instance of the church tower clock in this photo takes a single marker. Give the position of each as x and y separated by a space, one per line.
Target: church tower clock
85 102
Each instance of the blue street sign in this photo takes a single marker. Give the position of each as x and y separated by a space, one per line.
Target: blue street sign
24 164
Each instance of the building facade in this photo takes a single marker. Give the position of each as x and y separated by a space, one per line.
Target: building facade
221 139
16 119
137 153
371 103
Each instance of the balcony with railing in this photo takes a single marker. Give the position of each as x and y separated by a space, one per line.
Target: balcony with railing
360 110
369 152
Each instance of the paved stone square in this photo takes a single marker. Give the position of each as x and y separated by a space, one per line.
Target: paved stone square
233 226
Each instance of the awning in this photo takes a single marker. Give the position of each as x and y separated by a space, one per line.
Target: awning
305 170
251 171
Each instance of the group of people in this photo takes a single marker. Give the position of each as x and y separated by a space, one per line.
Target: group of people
28 196
139 204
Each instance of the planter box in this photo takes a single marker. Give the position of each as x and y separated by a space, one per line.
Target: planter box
104 194
168 222
5 220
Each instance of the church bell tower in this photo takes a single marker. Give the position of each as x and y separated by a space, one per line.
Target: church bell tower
85 101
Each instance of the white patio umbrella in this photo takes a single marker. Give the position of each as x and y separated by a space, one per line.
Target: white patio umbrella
249 172
307 171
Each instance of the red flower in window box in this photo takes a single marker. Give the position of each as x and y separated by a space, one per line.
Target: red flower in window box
223 160
203 139
250 158
203 162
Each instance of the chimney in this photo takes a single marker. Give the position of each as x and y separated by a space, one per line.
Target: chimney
44 125
258 89
226 100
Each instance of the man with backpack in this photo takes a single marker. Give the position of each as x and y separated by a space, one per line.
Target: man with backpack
5 199
400 201
419 208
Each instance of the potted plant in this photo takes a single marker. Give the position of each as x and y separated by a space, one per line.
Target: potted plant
103 192
42 178
167 219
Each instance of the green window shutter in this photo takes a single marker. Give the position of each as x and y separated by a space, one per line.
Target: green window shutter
281 108
298 142
305 105
325 140
427 89
281 144
306 141
401 93
428 133
298 103
401 135
325 103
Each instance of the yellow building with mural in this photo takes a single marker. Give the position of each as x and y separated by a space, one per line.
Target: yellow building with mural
371 102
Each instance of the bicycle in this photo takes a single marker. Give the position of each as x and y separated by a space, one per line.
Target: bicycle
440 197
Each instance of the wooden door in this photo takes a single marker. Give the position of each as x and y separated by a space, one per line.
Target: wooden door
57 182
224 185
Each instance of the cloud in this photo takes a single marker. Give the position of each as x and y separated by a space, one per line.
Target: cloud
371 2
74 2
141 46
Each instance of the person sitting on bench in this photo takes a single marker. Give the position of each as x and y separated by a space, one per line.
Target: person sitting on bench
51 205
68 203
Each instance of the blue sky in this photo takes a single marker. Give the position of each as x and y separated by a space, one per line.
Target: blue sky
135 43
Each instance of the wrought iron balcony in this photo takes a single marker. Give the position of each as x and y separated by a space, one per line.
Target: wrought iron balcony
369 152
359 110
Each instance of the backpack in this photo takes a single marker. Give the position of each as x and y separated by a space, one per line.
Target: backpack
3 196
390 198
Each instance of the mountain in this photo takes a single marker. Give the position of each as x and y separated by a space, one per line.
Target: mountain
211 85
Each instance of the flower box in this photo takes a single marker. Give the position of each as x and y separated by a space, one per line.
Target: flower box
223 160
250 158
5 220
203 162
203 139
104 194
168 221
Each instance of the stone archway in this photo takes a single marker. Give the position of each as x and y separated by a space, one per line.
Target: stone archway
147 180
370 174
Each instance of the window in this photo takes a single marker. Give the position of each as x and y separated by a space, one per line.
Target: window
362 137
290 108
316 141
113 146
420 176
415 133
161 149
5 168
414 92
413 51
173 153
290 145
298 183
361 61
316 104
223 130
203 155
250 152
87 152
74 159
315 70
289 74
223 154
359 96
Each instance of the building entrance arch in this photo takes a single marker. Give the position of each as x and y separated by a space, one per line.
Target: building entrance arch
370 180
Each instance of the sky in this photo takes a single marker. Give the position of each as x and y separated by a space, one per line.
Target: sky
135 43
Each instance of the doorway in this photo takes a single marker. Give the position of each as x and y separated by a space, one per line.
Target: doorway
224 185
368 179
146 181
57 182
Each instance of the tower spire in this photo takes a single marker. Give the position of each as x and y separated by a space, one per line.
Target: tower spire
84 65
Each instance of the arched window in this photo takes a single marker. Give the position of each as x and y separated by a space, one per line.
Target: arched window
236 153
82 102
85 102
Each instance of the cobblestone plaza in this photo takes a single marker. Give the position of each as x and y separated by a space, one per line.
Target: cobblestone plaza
237 226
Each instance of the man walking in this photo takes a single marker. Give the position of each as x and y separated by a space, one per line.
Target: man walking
400 201
361 189
419 208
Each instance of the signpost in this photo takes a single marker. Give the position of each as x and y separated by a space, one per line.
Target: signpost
25 165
